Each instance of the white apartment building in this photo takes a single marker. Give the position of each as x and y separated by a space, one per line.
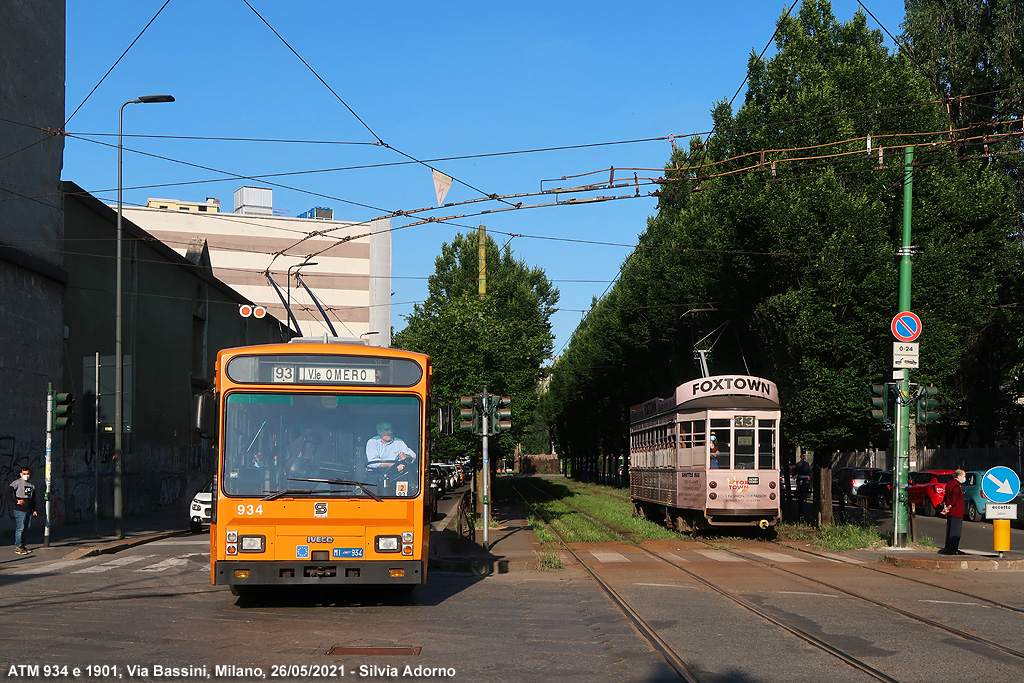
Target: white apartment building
348 269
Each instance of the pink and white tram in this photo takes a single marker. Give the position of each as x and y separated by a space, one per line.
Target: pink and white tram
708 455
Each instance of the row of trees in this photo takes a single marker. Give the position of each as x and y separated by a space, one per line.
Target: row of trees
778 235
790 234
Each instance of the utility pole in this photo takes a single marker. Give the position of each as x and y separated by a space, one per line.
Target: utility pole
901 465
482 252
485 486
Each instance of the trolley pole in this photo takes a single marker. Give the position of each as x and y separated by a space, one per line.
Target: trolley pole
486 479
901 465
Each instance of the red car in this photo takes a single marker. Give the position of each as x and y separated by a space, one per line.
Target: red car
927 489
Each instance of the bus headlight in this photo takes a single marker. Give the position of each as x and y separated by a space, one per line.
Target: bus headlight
406 537
387 544
252 544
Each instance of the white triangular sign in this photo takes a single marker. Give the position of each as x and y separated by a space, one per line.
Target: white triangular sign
442 184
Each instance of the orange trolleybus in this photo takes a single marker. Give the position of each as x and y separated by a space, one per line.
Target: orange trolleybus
320 465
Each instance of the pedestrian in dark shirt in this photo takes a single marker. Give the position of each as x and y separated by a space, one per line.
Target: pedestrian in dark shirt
21 494
953 508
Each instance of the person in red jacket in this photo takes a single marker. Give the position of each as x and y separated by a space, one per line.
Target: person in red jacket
953 508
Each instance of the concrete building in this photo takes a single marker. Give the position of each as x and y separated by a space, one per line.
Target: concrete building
351 277
32 270
176 317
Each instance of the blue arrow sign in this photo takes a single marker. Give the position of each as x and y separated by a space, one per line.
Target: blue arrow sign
1000 484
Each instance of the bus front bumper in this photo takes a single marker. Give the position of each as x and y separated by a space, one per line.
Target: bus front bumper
305 573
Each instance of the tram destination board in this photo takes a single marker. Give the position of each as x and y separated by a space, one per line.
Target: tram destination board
320 374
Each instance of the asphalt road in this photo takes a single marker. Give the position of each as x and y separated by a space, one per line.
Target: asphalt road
151 612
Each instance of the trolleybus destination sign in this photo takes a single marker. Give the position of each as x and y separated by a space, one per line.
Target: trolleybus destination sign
327 374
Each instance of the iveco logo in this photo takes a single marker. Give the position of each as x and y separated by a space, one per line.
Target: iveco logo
319 539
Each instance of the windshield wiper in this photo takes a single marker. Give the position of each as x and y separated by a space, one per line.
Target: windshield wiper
288 492
345 482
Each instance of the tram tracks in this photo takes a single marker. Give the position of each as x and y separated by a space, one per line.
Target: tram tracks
790 628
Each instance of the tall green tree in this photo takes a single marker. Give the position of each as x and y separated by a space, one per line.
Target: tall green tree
787 224
499 341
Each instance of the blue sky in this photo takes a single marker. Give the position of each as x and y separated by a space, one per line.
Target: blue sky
433 80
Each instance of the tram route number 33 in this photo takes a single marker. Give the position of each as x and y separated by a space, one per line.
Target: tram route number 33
250 510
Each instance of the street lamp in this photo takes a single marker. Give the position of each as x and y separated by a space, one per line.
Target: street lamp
118 355
288 286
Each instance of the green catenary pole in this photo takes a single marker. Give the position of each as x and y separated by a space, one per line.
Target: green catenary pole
901 468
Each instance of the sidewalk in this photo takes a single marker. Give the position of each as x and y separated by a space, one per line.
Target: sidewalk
86 539
512 545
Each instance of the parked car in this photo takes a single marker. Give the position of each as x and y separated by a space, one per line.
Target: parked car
792 479
877 490
926 490
846 481
199 509
438 480
974 499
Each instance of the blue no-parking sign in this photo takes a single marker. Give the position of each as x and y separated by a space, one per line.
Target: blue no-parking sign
1000 484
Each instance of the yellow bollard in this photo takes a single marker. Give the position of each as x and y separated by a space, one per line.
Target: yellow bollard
1000 535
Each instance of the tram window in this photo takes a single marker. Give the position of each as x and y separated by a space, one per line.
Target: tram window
744 449
720 450
697 430
766 445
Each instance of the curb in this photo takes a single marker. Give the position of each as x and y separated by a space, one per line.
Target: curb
981 564
482 566
120 544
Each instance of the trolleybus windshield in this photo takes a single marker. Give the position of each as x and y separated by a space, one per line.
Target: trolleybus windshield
317 444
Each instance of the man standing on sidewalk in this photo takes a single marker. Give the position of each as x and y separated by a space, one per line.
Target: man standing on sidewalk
953 508
21 493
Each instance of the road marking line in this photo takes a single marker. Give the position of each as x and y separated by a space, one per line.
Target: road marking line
49 567
674 557
949 602
779 557
608 556
720 556
165 564
113 564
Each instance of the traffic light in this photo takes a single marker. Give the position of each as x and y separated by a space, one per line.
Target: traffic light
469 416
63 405
926 405
880 402
501 414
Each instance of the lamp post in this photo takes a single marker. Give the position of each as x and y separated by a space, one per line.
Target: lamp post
118 355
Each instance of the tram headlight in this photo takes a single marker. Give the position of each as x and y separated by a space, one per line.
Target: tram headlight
406 537
771 484
712 495
771 496
713 484
387 544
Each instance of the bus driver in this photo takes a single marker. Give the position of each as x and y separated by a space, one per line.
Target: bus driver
384 450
